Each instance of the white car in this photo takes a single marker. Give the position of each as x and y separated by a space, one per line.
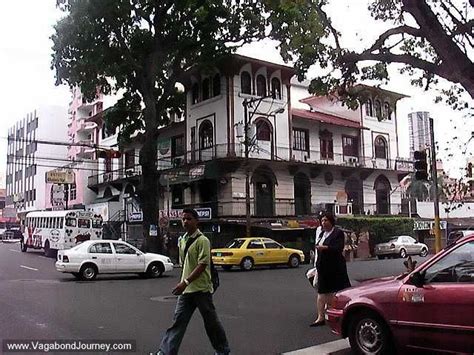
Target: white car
93 257
402 246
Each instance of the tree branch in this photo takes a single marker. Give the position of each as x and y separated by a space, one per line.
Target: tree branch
378 44
388 57
328 23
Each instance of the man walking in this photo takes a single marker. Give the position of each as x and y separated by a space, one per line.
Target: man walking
194 290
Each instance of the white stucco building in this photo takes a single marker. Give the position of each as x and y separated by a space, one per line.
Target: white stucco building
36 144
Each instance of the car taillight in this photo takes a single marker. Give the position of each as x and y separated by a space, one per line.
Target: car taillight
65 259
392 246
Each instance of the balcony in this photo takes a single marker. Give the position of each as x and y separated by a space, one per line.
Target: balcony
86 127
114 176
258 151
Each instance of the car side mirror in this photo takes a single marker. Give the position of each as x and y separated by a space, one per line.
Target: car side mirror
417 279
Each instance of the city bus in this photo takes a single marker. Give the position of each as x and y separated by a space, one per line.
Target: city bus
56 230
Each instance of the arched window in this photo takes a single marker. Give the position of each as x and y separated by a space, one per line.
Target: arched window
195 93
206 89
264 131
380 145
216 85
378 109
245 83
276 88
387 111
369 110
261 86
206 135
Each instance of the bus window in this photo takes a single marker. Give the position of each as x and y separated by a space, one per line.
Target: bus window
70 222
96 223
60 222
83 223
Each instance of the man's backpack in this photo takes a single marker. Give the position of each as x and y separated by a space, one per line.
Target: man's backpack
214 274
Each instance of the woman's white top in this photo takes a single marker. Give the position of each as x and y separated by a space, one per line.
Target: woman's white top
326 234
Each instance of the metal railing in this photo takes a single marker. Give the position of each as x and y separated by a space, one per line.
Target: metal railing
261 151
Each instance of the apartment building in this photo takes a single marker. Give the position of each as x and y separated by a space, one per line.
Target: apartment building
419 131
36 144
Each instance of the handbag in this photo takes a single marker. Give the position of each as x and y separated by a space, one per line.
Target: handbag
312 276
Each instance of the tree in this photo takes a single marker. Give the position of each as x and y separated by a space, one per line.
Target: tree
435 37
142 48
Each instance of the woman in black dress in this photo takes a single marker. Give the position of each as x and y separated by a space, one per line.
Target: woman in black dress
330 264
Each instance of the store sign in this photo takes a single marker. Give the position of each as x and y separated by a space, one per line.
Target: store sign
135 217
203 213
60 177
427 225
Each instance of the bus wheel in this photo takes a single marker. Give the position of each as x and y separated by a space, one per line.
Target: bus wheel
23 246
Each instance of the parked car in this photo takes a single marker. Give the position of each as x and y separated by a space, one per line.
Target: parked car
402 246
248 252
12 235
430 308
458 234
93 257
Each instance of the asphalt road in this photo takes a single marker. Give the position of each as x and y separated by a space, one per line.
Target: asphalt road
265 311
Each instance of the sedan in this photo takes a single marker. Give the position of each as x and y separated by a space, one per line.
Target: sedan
401 246
93 257
429 309
248 252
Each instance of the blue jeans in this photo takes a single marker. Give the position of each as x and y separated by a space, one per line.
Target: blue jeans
187 304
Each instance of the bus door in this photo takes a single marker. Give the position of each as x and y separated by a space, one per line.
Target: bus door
84 229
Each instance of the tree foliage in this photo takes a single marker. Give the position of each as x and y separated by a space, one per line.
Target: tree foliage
142 48
432 39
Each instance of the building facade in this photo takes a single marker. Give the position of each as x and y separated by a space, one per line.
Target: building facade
419 131
36 144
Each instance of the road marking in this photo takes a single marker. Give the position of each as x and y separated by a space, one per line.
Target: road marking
29 268
326 348
15 251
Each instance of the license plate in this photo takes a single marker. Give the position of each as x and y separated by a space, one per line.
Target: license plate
218 254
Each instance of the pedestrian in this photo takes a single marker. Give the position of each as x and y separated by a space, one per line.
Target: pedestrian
194 290
330 264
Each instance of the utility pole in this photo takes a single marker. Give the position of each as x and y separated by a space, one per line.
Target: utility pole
247 172
434 175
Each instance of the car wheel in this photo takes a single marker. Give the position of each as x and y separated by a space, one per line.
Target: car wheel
23 246
403 253
368 334
246 264
294 261
227 267
380 257
424 252
155 270
88 272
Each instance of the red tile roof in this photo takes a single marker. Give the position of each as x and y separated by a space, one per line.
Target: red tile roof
325 118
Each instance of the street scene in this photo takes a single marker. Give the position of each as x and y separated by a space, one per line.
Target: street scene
257 177
266 311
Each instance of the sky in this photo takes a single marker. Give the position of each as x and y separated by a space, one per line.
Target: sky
27 82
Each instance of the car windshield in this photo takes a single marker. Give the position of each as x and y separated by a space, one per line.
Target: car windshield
393 240
235 244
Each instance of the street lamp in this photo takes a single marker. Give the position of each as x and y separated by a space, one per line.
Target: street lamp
248 141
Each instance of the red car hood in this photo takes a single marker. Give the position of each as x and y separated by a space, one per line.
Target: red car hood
375 286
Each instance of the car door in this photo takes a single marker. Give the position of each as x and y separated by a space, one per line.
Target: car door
256 250
128 259
409 244
275 252
102 255
439 314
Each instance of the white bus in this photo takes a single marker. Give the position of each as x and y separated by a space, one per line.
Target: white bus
56 230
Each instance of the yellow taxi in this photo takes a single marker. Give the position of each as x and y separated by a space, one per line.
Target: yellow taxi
248 252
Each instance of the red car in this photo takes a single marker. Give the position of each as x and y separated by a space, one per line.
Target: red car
431 308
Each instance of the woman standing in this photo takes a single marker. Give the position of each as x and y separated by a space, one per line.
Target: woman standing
330 264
